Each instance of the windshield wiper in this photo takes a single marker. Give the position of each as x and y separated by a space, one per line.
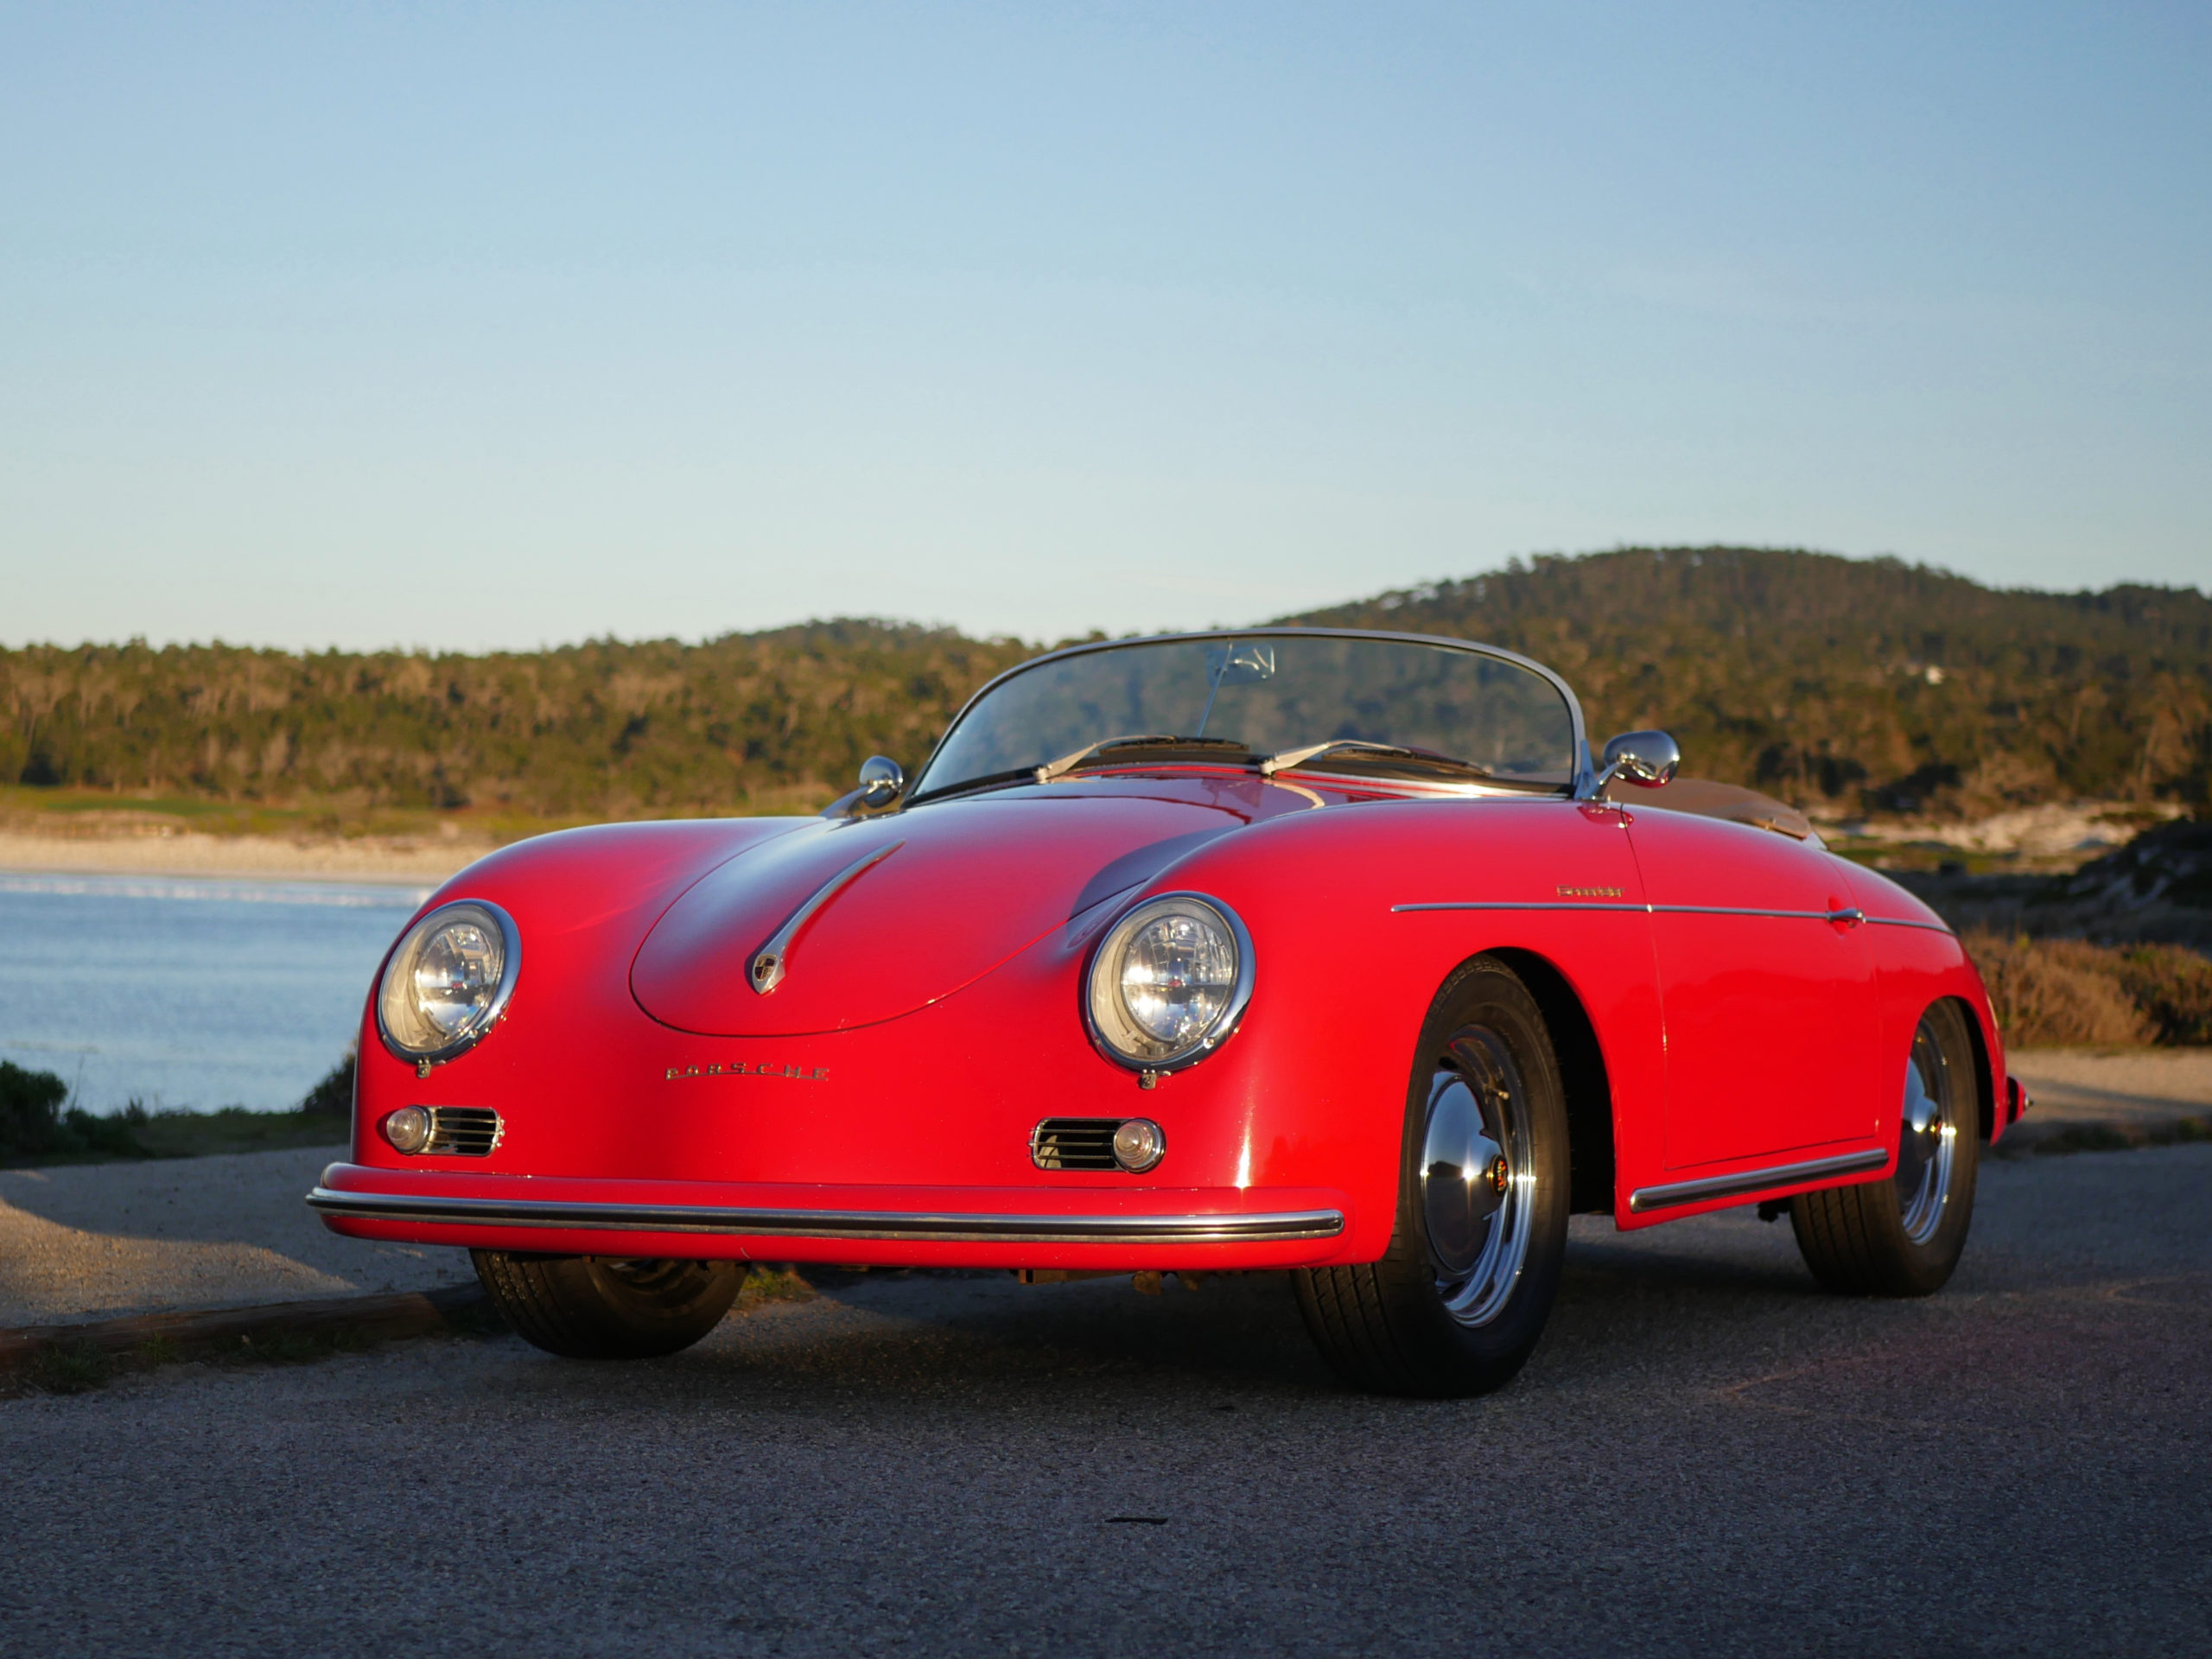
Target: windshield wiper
1107 748
1425 759
969 785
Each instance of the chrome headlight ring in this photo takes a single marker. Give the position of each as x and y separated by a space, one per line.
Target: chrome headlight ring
447 984
1188 959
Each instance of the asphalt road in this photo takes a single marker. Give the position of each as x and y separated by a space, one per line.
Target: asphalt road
1707 1456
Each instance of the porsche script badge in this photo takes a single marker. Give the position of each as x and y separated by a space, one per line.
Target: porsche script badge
739 1069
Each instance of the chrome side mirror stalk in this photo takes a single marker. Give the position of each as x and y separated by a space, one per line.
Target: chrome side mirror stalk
1648 759
882 782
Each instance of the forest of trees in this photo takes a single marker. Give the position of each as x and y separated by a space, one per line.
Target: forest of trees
1831 682
1857 682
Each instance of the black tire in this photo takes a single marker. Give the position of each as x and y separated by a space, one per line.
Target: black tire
1440 1316
1903 1235
608 1307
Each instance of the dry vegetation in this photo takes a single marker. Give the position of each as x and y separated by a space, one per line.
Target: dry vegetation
2055 992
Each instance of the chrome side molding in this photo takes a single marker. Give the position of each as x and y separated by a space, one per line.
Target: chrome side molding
1848 916
1279 1228
1646 1198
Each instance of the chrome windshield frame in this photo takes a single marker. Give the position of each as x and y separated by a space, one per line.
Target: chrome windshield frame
1584 779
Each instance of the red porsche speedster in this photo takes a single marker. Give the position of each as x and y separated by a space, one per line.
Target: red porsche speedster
1286 948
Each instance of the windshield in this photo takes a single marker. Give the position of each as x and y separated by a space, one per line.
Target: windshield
1269 693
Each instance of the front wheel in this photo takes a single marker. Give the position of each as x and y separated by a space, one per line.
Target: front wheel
1903 1235
608 1307
1456 1305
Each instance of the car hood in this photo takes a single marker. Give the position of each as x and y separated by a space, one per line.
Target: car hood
953 890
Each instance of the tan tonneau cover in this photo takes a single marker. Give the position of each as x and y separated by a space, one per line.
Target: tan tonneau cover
1707 799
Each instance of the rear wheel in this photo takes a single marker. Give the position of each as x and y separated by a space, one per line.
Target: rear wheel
1901 1236
608 1307
1456 1305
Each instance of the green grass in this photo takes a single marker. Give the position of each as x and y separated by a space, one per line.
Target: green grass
767 1284
199 1134
38 1129
196 1134
65 1369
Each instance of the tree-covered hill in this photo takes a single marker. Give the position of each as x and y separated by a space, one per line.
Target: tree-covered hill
770 720
1831 681
1854 682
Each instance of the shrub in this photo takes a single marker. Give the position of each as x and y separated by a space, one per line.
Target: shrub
333 1095
2056 992
30 1109
34 1125
2173 987
2068 991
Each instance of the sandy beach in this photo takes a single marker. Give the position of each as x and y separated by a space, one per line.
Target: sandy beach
367 858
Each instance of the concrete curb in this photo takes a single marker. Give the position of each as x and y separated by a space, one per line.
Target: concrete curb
456 1308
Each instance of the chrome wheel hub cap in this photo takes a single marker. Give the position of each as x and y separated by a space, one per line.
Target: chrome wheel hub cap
1927 1139
1476 1171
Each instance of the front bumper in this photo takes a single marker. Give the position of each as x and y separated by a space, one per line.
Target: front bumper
1086 1226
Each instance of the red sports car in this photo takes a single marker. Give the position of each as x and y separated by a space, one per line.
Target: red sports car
1286 948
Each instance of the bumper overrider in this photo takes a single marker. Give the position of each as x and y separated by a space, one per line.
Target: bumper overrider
870 1225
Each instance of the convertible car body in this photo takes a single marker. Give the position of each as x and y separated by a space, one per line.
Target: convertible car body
1291 948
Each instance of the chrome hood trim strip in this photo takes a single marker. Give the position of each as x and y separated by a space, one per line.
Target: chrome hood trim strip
1283 1227
1753 1180
772 961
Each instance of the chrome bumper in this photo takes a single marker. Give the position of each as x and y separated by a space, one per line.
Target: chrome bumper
1280 1228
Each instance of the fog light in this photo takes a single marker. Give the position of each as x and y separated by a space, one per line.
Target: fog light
407 1129
1138 1145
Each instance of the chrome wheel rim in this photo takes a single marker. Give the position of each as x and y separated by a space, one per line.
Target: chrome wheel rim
1928 1133
1477 1175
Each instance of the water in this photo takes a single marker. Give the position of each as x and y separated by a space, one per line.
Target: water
180 992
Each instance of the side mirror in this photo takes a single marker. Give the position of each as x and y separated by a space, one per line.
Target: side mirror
1650 759
882 781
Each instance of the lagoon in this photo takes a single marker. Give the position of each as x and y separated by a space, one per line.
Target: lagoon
185 992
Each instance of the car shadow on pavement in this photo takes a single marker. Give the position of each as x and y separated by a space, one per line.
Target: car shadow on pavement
911 1337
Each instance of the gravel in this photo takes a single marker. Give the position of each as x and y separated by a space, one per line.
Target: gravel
1707 1455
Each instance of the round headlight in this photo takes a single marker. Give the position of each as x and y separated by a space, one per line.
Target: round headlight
447 982
1170 981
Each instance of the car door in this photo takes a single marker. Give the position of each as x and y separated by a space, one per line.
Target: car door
1768 1005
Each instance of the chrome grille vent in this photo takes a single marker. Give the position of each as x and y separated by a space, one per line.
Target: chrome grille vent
466 1131
1074 1143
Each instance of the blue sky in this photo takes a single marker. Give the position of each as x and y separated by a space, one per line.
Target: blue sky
501 325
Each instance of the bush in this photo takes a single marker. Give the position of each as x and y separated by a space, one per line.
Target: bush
333 1095
2054 992
2061 992
30 1109
34 1125
2173 987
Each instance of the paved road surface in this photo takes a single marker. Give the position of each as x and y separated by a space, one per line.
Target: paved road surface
1707 1456
97 1241
93 1240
